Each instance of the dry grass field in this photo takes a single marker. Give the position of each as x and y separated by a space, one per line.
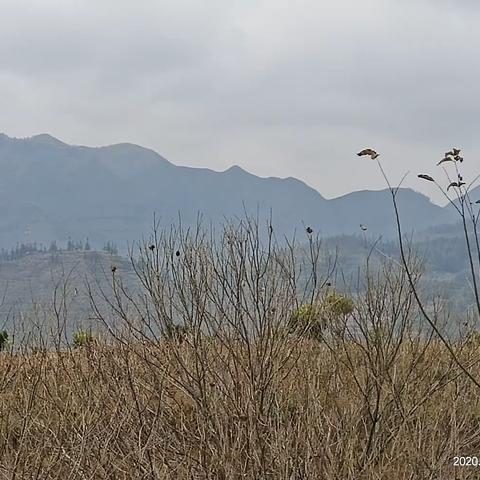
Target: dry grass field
164 411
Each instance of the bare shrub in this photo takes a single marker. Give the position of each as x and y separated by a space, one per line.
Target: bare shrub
200 376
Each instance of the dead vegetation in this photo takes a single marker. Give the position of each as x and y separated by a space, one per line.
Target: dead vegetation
200 374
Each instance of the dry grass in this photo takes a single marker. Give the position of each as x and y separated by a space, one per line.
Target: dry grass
121 412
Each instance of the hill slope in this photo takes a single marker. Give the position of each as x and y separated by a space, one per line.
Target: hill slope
52 190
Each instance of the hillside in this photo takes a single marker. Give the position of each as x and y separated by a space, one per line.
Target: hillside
35 285
28 282
446 271
52 191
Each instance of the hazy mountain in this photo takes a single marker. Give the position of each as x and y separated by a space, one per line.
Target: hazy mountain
51 190
474 196
375 209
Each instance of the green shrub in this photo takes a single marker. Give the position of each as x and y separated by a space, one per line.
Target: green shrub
312 319
338 305
3 340
82 338
307 320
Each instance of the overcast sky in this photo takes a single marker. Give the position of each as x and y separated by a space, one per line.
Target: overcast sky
281 88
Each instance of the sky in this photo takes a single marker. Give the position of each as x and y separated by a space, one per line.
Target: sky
281 88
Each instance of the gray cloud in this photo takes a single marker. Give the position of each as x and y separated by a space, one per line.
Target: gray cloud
280 87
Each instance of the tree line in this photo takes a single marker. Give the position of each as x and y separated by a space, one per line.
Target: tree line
21 250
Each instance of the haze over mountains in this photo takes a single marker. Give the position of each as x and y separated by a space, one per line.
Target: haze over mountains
52 191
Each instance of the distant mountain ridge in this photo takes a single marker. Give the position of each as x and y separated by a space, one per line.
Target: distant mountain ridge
53 191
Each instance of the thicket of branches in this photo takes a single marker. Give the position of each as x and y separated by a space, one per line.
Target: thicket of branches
237 359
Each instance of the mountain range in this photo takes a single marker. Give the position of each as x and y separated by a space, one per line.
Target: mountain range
50 190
